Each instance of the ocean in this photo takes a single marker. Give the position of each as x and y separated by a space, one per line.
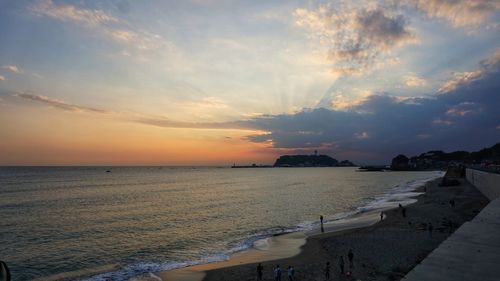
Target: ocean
84 223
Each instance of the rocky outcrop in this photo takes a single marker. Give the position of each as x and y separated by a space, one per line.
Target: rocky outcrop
400 163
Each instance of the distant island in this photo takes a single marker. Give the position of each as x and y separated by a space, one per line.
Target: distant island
313 160
437 159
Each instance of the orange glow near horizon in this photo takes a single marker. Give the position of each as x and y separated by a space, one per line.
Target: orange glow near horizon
66 138
223 82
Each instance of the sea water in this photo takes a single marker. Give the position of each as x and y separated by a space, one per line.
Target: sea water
114 223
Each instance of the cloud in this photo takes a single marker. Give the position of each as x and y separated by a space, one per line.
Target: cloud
462 109
373 129
463 78
59 104
459 79
381 126
98 20
439 121
460 13
12 68
358 38
141 40
2 78
37 75
168 123
138 118
362 135
414 81
70 13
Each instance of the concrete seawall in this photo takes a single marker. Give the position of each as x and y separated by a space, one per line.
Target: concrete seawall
487 183
472 252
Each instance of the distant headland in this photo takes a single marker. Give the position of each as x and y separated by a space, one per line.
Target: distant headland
437 159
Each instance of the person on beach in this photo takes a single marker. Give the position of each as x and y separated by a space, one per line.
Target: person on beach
430 230
452 203
321 220
277 273
341 264
4 272
381 216
327 271
260 270
291 273
350 255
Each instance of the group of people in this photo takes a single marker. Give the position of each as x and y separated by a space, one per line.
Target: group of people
290 271
277 272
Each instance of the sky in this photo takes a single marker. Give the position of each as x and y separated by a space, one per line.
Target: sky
216 82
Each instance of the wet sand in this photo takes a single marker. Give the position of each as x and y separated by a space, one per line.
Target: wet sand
386 250
274 248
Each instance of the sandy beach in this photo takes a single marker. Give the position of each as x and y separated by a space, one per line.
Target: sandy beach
386 250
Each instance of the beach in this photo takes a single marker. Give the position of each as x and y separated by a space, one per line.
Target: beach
137 221
385 250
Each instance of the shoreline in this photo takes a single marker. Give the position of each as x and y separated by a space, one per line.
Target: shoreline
286 245
279 246
308 255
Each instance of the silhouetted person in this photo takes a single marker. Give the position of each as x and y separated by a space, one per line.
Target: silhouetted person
4 272
321 220
381 216
400 206
452 203
430 229
350 255
277 273
341 264
327 271
291 273
403 211
260 270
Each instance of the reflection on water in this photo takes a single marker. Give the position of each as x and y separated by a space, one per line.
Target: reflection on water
146 219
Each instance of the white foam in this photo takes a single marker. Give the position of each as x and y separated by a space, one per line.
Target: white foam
136 270
401 194
262 244
261 240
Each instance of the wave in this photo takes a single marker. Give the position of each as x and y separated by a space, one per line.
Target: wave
260 239
401 194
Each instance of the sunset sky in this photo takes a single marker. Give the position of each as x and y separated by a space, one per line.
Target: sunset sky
207 82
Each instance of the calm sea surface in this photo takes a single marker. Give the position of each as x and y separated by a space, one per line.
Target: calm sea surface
137 220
